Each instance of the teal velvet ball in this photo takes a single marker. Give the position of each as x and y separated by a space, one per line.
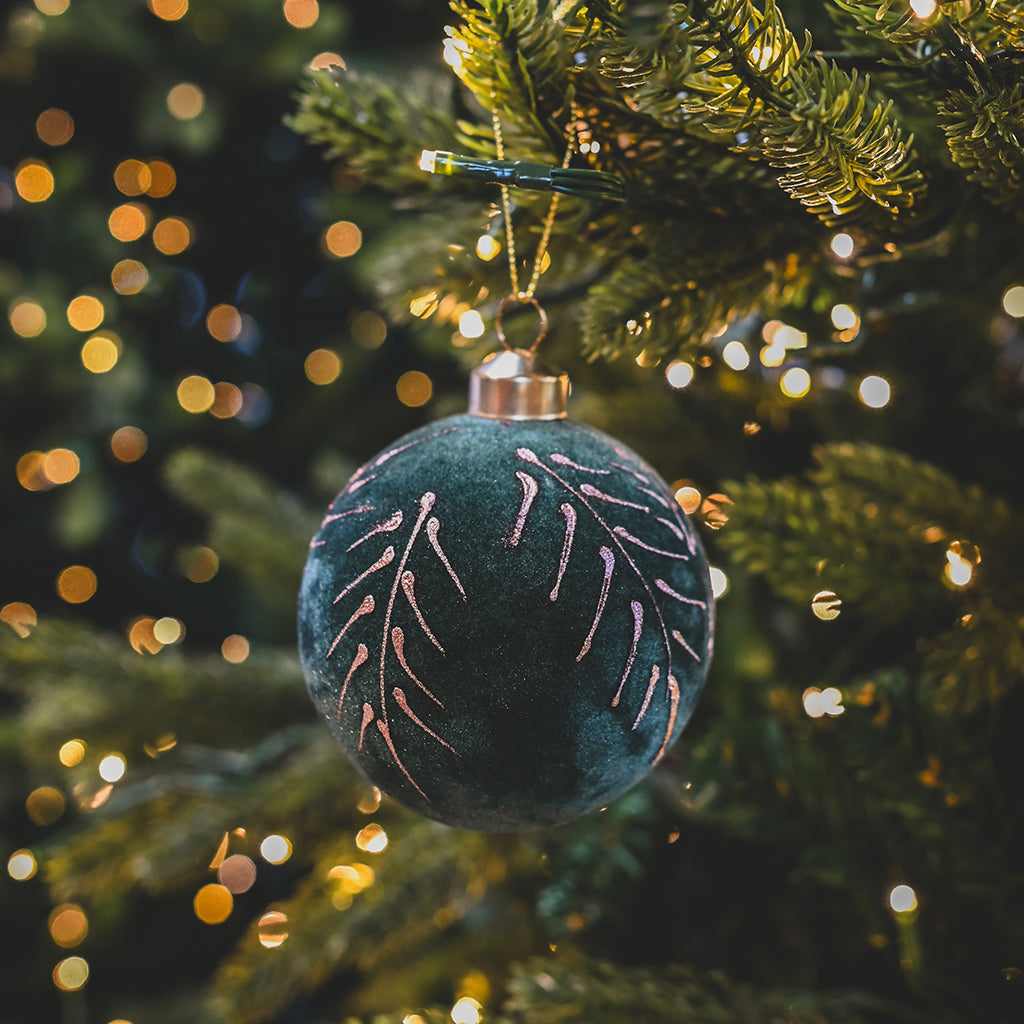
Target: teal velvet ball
505 624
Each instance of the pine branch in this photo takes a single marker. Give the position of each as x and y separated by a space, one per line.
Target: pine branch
670 291
75 682
379 129
560 991
515 60
423 870
868 511
160 827
263 534
985 133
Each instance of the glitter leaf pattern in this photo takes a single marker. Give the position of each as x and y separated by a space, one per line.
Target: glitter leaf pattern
667 530
422 532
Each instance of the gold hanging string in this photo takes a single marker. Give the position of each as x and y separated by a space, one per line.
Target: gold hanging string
549 220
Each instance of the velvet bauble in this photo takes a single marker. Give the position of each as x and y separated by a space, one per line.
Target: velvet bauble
505 623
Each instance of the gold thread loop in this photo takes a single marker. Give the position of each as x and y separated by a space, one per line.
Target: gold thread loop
538 263
523 300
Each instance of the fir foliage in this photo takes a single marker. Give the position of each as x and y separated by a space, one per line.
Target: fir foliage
863 507
711 106
747 879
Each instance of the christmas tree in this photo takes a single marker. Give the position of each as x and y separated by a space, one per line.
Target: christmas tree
785 265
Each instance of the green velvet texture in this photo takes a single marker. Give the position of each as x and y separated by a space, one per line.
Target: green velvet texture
511 722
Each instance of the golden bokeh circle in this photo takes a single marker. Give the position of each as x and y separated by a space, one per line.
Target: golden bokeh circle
76 584
213 903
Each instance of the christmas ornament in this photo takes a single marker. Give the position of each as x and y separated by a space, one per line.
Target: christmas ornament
505 617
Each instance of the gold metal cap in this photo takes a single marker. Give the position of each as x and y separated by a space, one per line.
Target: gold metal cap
514 384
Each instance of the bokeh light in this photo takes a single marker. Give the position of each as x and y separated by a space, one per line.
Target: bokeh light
414 388
272 928
224 322
372 838
961 559
237 873
301 13
128 444
27 318
825 605
52 8
112 767
76 584
199 564
68 925
235 649
341 239
163 179
923 8
795 382
172 236
466 1011
471 324
132 177
196 394
842 245
101 352
71 974
1013 301
55 127
487 247
736 356
902 899
129 221
227 400
169 630
33 181
45 805
141 636
275 849
60 465
875 392
213 903
21 865
327 59
719 581
30 471
185 102
844 318
818 703
679 373
71 753
369 329
169 10
85 312
688 497
129 277
21 617
323 366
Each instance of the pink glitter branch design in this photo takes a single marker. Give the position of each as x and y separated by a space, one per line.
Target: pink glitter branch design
409 587
389 525
620 540
385 559
570 531
530 488
433 526
393 637
609 567
398 642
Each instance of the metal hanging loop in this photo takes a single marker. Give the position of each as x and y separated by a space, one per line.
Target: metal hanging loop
521 299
